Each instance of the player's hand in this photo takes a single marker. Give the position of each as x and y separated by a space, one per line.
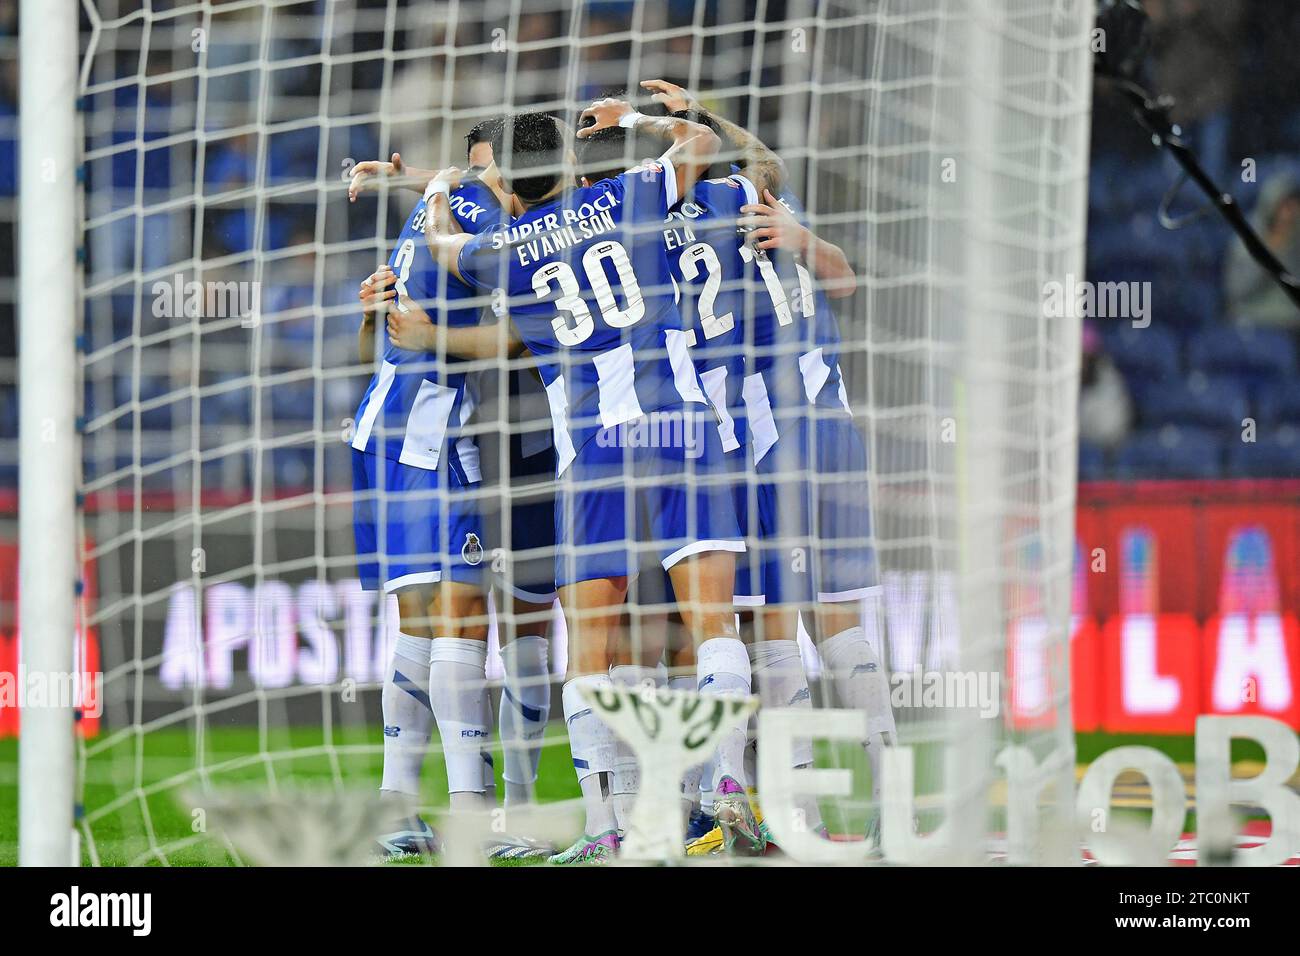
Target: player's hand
769 225
409 326
372 173
375 292
452 176
674 98
605 113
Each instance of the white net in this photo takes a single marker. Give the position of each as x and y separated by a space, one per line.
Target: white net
941 144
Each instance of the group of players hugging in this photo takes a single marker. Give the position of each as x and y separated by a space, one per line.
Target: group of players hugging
699 464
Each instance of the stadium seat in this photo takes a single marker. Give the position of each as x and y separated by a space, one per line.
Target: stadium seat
1145 355
1242 350
1279 402
1092 462
1274 454
1170 452
1218 403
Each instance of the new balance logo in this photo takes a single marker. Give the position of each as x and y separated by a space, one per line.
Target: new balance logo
390 731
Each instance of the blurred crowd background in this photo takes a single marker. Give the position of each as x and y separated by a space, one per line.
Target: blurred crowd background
1169 400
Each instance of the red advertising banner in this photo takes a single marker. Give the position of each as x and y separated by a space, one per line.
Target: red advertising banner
1190 592
14 684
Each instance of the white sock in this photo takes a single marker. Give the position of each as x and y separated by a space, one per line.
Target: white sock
627 772
691 779
722 666
708 786
778 671
408 715
861 683
592 744
458 688
485 754
525 709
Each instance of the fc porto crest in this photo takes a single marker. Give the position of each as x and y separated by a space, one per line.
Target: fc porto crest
472 549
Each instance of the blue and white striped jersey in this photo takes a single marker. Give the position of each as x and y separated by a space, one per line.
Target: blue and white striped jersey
415 403
758 323
590 290
819 365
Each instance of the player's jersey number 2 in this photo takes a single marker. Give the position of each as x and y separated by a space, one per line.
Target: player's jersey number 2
574 324
701 256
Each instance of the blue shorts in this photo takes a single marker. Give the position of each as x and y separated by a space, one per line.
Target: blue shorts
413 526
845 561
806 513
657 487
531 573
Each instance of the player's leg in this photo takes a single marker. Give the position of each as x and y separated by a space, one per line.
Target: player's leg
848 617
381 508
782 682
527 588
525 694
592 566
637 661
694 519
458 659
593 612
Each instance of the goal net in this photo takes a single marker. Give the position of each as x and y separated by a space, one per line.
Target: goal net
941 144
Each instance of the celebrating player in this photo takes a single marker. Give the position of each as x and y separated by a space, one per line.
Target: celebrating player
572 256
762 369
419 532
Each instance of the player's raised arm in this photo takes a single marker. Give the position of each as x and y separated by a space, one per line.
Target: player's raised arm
759 164
775 227
411 328
693 144
371 174
441 230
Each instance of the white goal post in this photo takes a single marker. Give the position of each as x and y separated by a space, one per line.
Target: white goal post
48 303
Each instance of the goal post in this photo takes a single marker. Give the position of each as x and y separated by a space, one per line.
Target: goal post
48 443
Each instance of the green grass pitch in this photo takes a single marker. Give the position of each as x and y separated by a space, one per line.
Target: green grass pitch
300 758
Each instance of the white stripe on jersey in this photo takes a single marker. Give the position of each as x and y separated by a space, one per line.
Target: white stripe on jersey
466 449
715 384
758 409
751 194
426 427
815 372
616 384
558 399
679 344
670 180
375 404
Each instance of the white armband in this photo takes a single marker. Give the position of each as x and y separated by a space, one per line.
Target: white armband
435 187
629 120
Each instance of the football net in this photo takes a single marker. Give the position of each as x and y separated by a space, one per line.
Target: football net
941 143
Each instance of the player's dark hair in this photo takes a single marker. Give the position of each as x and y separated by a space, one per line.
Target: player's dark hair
488 131
606 153
535 163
